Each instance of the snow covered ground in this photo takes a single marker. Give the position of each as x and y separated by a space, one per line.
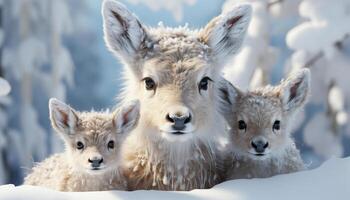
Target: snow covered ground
329 181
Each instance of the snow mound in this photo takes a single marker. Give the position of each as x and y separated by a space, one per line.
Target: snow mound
329 22
4 87
330 180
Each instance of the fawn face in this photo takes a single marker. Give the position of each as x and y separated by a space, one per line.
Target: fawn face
93 139
261 120
260 125
172 71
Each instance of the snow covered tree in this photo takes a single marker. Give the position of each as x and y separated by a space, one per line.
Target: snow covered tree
4 90
321 44
38 66
4 101
252 66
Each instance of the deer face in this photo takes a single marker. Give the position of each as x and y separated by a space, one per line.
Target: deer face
260 120
93 139
259 126
178 95
173 71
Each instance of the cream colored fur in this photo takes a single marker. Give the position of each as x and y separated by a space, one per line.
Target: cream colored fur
177 60
260 109
72 170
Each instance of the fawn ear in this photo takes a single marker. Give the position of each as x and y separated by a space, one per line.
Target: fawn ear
225 33
295 90
123 33
127 116
228 92
63 118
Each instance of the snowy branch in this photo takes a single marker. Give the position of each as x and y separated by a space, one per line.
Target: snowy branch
275 2
313 60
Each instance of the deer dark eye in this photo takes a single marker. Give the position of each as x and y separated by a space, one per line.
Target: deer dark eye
110 144
80 145
276 125
242 125
149 83
203 84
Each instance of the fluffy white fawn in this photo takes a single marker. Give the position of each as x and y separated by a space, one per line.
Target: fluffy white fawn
91 160
261 122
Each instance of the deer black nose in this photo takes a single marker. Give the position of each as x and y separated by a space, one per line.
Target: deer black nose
95 162
260 145
179 121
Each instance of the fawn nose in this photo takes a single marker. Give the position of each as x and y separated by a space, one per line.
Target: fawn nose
179 120
95 161
260 145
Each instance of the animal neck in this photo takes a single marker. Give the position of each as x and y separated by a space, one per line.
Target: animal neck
175 153
158 164
109 174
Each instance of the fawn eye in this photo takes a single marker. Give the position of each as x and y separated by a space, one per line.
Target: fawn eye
80 145
242 125
149 83
110 144
276 125
203 84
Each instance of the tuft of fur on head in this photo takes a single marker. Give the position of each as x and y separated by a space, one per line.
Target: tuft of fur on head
265 115
93 135
174 73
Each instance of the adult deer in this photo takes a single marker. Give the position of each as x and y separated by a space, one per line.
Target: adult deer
174 73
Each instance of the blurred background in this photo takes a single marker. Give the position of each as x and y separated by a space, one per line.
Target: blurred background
51 48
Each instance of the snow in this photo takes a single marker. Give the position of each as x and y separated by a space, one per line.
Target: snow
318 135
329 22
336 104
252 65
326 182
35 61
320 38
284 8
5 87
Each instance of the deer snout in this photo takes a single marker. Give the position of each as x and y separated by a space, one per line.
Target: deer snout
260 145
179 118
179 122
95 161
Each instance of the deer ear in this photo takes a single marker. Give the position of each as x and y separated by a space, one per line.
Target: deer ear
126 117
225 33
295 90
123 33
63 118
228 92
